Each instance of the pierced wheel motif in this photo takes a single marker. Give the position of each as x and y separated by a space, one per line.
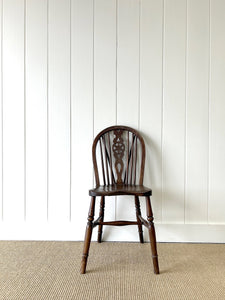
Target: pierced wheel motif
118 148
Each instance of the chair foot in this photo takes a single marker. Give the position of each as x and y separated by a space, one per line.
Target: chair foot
154 248
152 236
88 234
155 264
99 240
83 265
141 238
87 243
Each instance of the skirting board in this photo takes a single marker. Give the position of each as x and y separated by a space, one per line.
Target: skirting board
187 233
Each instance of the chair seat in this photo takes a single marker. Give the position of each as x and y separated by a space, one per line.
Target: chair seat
123 189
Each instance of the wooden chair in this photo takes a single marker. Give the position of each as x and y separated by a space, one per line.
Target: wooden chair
119 151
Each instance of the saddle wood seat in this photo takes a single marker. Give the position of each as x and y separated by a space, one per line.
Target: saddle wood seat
120 189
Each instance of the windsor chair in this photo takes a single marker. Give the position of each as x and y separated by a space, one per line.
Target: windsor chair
118 154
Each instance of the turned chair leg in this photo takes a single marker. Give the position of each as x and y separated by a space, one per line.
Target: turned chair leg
101 215
152 235
88 234
138 213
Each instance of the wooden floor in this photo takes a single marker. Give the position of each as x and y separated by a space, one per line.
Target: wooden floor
50 270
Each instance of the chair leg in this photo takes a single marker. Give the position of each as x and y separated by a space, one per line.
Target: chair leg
138 213
88 234
152 235
101 215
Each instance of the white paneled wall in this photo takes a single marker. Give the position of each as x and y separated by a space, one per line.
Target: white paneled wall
173 115
197 112
216 212
82 108
36 96
69 69
14 105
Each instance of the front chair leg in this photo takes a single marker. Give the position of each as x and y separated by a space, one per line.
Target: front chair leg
101 215
152 236
87 239
138 213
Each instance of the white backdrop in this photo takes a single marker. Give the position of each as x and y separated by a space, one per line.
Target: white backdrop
69 68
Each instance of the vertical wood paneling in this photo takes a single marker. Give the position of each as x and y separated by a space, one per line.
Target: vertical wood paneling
216 207
128 89
128 63
36 110
197 112
59 110
174 111
104 64
13 110
82 109
105 35
151 43
1 113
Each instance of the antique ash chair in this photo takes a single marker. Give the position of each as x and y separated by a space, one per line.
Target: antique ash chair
120 153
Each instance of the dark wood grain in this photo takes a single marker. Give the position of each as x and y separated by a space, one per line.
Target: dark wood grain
101 218
152 236
88 234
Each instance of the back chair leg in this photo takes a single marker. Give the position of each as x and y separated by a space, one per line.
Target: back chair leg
138 213
101 215
152 235
88 235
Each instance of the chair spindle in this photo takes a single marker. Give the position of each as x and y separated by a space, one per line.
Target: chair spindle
102 160
110 159
131 158
135 160
126 173
106 163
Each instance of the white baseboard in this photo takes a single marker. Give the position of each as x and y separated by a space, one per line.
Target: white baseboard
195 233
184 233
191 233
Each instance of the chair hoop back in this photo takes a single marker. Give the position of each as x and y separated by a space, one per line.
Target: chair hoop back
118 154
